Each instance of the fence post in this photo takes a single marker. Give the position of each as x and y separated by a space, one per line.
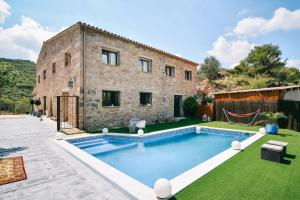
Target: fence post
58 112
77 112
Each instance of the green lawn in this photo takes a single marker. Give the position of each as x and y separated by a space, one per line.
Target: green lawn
246 176
161 126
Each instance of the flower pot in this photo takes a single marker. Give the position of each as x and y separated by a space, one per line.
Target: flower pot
272 129
39 114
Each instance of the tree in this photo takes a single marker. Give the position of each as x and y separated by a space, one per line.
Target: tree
286 76
190 106
263 60
8 76
210 68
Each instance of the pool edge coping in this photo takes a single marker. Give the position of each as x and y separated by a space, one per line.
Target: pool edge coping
138 189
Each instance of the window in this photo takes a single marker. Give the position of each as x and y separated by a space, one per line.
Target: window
53 67
145 65
39 79
109 57
170 71
110 98
145 99
44 74
67 59
188 75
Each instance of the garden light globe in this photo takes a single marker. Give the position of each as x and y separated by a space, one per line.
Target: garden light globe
262 130
140 132
236 145
105 130
162 188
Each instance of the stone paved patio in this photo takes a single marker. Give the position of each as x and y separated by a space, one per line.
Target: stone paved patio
52 173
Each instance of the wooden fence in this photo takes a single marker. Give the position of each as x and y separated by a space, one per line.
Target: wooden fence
290 108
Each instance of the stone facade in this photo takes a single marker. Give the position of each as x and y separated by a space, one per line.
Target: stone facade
92 76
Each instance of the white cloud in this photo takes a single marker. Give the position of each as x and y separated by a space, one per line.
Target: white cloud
282 19
293 63
230 52
4 11
23 40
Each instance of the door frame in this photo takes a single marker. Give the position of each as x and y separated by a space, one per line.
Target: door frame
178 105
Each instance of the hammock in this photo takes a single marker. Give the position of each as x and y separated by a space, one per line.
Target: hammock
256 113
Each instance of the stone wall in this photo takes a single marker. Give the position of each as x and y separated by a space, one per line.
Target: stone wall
56 84
127 79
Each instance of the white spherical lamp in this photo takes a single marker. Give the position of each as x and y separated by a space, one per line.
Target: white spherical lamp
236 145
262 131
105 130
162 188
59 135
198 129
140 132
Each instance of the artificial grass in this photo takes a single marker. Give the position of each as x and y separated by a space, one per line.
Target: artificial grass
246 176
161 126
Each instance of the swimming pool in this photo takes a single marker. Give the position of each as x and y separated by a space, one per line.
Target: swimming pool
164 155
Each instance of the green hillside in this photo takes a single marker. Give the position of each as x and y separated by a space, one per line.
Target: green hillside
15 99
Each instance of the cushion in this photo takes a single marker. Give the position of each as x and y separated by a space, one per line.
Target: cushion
272 147
278 143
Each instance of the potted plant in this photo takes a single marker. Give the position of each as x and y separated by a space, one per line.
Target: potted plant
271 120
37 102
32 102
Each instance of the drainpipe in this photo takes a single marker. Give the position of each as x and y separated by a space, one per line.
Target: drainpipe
83 77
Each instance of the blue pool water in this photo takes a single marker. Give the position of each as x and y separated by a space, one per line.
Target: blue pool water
162 156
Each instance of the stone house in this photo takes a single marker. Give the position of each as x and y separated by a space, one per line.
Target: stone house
113 78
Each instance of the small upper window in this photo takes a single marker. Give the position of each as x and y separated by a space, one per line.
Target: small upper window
109 57
67 59
44 74
53 67
188 75
145 65
110 98
145 99
170 71
39 79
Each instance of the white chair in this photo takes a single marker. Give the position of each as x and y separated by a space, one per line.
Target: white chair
132 124
141 125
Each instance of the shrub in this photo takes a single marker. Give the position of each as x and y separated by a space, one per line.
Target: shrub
22 107
7 105
190 106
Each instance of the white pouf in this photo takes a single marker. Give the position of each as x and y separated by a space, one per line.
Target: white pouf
140 132
105 130
236 145
262 131
162 188
59 135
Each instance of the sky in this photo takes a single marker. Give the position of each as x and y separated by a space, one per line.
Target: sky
226 29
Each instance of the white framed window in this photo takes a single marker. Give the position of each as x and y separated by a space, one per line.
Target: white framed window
145 65
110 98
170 71
145 99
188 75
109 57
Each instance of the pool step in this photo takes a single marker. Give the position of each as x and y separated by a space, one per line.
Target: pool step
107 147
87 141
92 143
